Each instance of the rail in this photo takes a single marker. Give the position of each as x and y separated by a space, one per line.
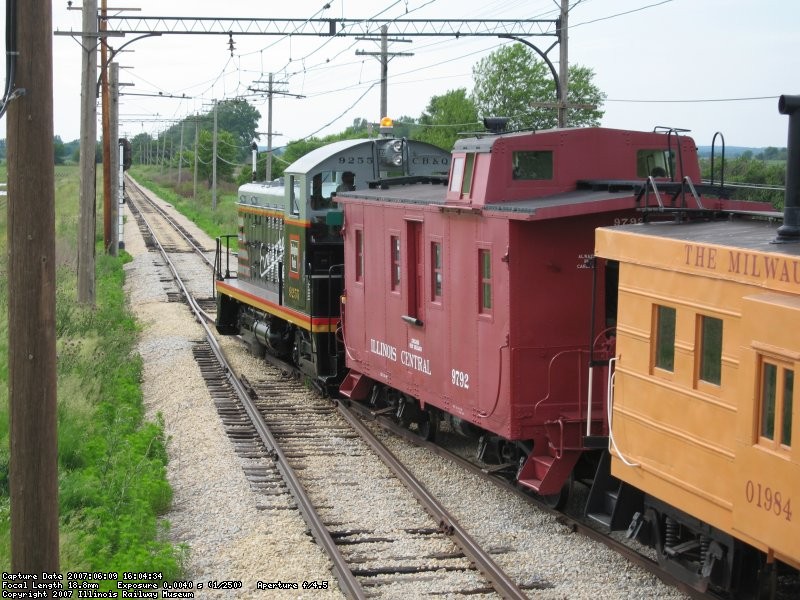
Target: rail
496 576
347 580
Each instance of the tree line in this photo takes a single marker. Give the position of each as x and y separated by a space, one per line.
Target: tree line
510 82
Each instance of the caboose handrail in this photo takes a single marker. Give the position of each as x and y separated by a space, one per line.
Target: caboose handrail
651 183
688 181
612 375
722 164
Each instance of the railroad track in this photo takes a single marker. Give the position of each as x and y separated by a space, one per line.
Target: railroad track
303 452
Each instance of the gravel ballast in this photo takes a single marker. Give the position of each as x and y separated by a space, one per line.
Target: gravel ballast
227 537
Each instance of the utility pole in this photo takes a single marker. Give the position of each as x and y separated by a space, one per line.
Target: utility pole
268 166
384 56
271 92
87 215
214 162
106 130
33 467
196 134
180 155
563 64
113 159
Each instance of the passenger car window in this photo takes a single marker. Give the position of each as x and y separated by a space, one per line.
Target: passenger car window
664 338
710 348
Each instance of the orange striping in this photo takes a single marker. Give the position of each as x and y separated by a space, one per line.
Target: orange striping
313 324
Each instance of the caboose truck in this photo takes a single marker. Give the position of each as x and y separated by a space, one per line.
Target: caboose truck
472 303
283 297
705 453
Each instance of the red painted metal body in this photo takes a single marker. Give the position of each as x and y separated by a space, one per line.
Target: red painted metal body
506 343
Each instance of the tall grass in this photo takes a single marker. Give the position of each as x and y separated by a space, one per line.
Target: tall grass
215 222
112 462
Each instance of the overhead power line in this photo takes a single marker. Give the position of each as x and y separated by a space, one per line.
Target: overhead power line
693 100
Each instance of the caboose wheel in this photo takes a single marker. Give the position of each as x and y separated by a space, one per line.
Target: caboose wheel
559 500
428 425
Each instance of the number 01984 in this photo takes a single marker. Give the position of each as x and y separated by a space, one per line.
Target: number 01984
768 499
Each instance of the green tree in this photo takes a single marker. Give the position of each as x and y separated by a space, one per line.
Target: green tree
753 172
58 150
226 156
445 117
511 78
235 116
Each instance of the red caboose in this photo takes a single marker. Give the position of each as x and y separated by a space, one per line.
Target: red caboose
479 300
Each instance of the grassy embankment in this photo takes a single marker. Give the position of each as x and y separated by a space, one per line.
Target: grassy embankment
112 483
221 221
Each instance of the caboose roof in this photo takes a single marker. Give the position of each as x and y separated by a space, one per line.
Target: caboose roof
546 207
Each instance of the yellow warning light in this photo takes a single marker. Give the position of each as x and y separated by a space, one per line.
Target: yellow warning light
387 122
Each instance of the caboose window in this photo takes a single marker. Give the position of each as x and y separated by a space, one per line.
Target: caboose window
485 269
656 163
394 249
457 177
436 271
777 390
665 338
359 255
532 164
469 165
710 350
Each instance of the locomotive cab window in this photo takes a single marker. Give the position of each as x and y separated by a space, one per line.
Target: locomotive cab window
776 395
532 165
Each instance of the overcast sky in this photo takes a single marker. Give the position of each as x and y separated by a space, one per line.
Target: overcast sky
694 64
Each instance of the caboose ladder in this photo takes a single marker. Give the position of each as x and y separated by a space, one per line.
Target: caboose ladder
546 474
611 502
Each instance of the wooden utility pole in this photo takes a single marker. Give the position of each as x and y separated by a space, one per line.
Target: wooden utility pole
113 158
180 155
106 130
214 163
87 215
268 166
271 92
384 56
563 64
33 471
196 134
